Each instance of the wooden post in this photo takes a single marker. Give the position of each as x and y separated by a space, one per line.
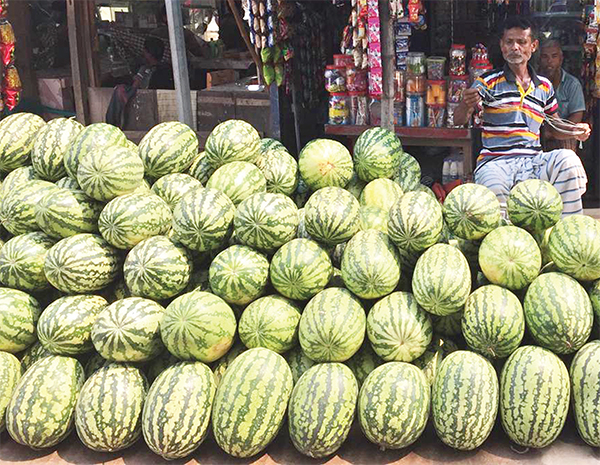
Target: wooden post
388 66
20 18
79 67
179 60
239 21
92 45
275 126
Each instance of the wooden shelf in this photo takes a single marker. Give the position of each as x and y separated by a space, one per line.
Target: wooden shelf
420 132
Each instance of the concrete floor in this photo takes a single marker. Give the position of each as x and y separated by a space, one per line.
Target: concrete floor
497 450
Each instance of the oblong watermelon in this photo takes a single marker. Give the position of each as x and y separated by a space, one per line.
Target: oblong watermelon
19 314
22 261
585 373
18 133
10 373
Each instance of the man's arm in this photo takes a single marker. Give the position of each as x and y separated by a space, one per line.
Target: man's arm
470 100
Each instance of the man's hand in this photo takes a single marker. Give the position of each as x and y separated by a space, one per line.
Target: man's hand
586 134
471 98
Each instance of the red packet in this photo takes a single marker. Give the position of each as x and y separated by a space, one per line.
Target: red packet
11 87
7 43
3 8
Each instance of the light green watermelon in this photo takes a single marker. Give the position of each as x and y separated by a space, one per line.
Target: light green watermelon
585 373
409 174
471 211
325 163
172 187
19 314
281 172
331 215
238 180
232 140
363 362
22 261
17 208
201 169
18 133
10 373
374 218
382 193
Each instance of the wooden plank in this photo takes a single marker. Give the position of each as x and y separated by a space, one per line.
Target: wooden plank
214 108
220 63
78 63
423 133
20 19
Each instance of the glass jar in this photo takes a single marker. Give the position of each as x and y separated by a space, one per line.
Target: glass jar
455 89
335 78
399 86
415 63
458 60
478 69
359 110
416 84
356 79
435 68
435 116
415 110
339 109
436 93
375 111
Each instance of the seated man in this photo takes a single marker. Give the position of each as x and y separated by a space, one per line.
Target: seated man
569 93
515 102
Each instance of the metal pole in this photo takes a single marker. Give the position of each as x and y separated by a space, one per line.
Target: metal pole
388 66
179 59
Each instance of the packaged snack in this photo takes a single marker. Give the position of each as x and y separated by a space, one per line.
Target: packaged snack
435 67
359 111
456 87
356 80
435 116
458 60
415 63
415 110
339 109
335 78
415 84
436 93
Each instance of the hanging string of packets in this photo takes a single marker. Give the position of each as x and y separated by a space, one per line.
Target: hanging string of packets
10 85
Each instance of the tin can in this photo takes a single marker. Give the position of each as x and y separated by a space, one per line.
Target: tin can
415 110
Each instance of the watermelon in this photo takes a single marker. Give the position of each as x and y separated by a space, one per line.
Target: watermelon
232 140
18 133
10 373
157 268
325 163
74 337
300 269
594 293
558 313
280 170
40 412
574 247
129 219
220 366
107 172
534 396
493 322
415 222
68 182
159 364
471 211
19 314
177 409
94 136
393 405
64 212
267 144
17 208
331 215
464 400
534 205
15 179
94 363
266 221
81 263
377 154
370 265
398 329
373 218
109 408
167 148
202 219
332 326
409 173
441 281
22 262
363 362
51 143
198 326
32 354
470 249
585 373
437 350
172 187
238 180
270 322
319 424
251 402
201 169
382 193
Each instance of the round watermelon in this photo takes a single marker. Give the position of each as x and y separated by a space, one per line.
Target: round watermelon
325 163
232 140
382 193
534 205
363 362
377 154
201 169
17 208
355 186
331 215
298 362
16 178
18 133
472 211
374 218
409 174
51 143
238 180
22 261
281 172
172 187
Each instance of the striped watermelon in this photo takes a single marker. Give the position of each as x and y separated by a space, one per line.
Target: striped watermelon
51 143
106 172
363 362
594 293
232 140
238 180
281 172
94 363
332 326
32 354
67 182
63 212
198 326
542 240
81 263
22 262
409 174
177 410
382 193
202 219
393 406
220 366
109 408
298 362
534 396
585 373
441 281
472 211
470 249
325 163
201 169
16 178
239 274
266 221
370 265
437 350
159 364
10 373
464 400
94 136
301 194
574 247
17 209
172 187
251 402
129 219
18 133
374 218
167 148
331 215
19 314
319 423
355 186
300 269
270 322
558 313
127 330
377 154
415 222
267 144
65 326
510 257
398 329
157 268
534 205
40 412
493 323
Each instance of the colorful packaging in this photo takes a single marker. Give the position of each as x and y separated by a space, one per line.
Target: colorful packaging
415 63
11 87
458 60
335 78
415 84
436 93
456 86
435 67
373 31
375 112
375 82
399 113
343 60
435 116
356 80
359 109
450 109
339 108
7 43
374 56
399 86
415 110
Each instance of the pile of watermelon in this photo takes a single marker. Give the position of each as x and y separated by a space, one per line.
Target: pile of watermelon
153 291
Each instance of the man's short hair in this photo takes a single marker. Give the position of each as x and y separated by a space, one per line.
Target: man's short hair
554 43
518 22
155 47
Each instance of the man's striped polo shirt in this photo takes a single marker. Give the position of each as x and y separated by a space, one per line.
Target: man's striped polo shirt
514 129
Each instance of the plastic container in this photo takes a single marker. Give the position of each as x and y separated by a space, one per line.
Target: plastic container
339 108
335 78
435 68
450 109
456 86
356 80
436 116
359 108
415 110
343 60
452 168
416 84
399 112
415 63
399 86
458 60
478 69
436 93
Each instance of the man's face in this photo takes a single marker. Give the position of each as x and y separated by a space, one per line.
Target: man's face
517 46
551 60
